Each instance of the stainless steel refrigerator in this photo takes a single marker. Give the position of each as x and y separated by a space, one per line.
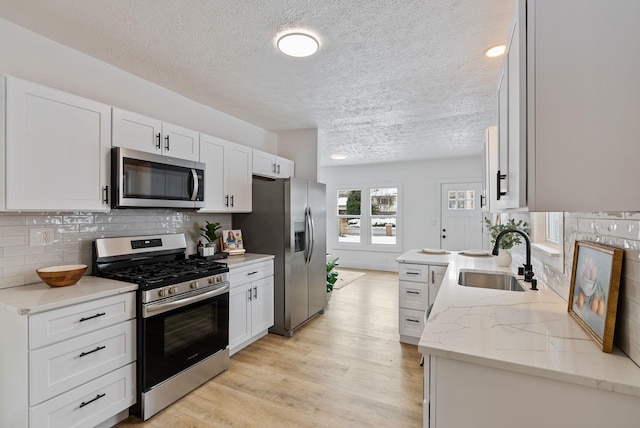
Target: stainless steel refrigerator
288 220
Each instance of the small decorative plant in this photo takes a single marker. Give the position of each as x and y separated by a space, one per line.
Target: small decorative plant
210 231
511 239
332 274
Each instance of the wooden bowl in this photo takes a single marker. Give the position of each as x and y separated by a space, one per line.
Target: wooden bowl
61 276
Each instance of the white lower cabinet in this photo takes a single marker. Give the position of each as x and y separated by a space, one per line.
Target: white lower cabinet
461 394
418 287
250 304
69 367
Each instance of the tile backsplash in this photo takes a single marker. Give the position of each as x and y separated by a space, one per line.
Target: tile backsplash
74 233
619 229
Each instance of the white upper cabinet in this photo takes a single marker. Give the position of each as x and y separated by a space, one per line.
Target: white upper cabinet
138 132
228 178
571 107
56 148
489 171
271 166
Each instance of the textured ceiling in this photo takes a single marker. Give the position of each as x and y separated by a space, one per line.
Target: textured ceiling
394 80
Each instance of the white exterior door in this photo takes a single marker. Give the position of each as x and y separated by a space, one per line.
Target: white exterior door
461 216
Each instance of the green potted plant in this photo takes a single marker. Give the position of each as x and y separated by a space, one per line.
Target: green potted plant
509 240
332 276
210 233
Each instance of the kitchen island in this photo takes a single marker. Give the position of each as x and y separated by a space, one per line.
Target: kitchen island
507 358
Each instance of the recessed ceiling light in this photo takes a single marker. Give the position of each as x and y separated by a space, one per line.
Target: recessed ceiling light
495 51
297 44
338 157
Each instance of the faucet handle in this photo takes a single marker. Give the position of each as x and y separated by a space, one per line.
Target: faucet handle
521 270
534 284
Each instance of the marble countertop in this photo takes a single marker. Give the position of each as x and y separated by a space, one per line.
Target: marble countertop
34 298
528 332
245 259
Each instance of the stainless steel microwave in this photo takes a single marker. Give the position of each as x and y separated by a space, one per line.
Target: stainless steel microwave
140 179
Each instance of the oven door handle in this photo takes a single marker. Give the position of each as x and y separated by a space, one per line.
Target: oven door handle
159 308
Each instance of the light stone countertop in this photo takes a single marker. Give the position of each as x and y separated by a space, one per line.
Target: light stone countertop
244 259
34 298
527 332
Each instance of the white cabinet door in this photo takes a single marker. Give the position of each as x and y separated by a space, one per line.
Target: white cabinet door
212 152
284 167
490 169
228 179
262 305
239 315
436 275
179 142
139 132
57 150
239 161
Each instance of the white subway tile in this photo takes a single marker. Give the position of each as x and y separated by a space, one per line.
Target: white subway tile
12 220
12 281
13 241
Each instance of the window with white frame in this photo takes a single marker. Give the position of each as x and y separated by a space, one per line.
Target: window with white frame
368 216
548 238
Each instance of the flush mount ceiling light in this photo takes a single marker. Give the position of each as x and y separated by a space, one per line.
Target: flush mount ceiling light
495 51
298 44
338 157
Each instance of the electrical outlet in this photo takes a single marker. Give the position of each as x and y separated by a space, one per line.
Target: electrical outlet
40 236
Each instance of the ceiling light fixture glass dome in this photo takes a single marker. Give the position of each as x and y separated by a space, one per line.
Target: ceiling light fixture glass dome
298 44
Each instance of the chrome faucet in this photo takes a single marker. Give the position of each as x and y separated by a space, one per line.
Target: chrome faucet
527 270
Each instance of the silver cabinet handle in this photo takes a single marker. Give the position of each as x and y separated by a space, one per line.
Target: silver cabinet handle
412 273
158 137
412 320
167 140
433 277
232 200
273 168
255 292
250 298
278 169
412 292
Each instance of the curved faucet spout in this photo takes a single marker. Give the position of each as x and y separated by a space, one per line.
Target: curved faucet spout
528 269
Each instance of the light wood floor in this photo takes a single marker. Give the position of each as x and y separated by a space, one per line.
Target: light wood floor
345 368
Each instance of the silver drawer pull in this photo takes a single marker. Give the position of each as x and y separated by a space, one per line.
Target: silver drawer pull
252 273
99 348
92 317
412 292
412 273
99 396
412 320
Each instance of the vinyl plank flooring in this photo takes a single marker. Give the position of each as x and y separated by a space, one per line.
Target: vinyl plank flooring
345 368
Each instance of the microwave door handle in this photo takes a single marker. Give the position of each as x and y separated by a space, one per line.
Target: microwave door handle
196 184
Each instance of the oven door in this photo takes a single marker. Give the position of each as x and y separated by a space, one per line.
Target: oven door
142 179
177 334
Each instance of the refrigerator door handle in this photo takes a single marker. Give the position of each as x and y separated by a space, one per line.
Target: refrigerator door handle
307 236
312 228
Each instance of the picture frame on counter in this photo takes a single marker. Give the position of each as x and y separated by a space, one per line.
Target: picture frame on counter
593 292
231 242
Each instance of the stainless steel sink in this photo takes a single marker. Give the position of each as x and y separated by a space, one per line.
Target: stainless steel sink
493 280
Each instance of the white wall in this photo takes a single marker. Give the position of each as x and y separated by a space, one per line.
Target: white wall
301 146
420 206
30 56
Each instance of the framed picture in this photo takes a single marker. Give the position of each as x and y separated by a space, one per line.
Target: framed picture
593 295
232 240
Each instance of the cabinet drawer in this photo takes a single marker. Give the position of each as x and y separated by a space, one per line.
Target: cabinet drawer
63 366
89 404
245 274
411 322
414 295
64 323
413 272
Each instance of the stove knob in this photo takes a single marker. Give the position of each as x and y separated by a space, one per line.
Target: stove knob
212 280
163 292
173 290
194 285
218 278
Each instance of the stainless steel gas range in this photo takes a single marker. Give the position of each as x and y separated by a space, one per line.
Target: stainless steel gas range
183 314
